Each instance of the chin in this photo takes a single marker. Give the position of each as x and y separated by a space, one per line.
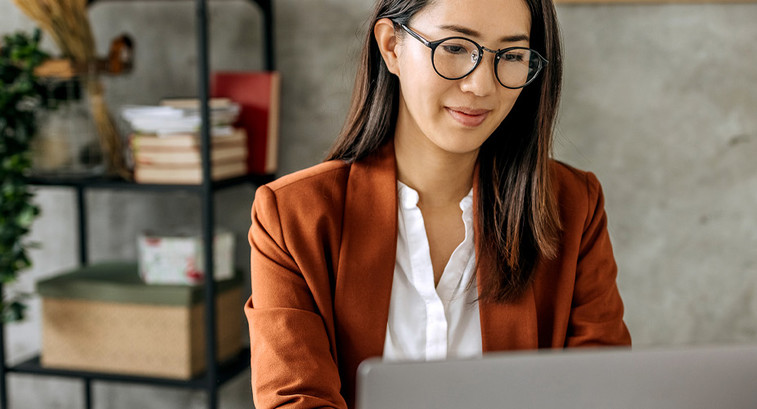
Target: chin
460 144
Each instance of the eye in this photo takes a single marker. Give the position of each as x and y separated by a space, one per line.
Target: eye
515 56
454 48
457 47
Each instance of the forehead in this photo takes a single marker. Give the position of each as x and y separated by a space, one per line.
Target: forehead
492 18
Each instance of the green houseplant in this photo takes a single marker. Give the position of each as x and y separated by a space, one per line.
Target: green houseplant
20 96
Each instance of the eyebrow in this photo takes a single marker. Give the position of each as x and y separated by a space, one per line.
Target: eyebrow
473 33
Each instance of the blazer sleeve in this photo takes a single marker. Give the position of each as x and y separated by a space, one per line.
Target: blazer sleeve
292 365
597 310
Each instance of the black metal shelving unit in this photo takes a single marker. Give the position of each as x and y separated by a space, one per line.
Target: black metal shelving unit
217 373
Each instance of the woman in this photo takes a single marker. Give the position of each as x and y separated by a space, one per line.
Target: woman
438 227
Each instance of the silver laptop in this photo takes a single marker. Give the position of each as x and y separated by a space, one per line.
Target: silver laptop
715 377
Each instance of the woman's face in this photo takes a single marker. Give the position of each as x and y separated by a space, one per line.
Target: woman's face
457 116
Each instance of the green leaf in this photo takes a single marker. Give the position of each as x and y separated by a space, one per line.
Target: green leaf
13 311
26 216
21 94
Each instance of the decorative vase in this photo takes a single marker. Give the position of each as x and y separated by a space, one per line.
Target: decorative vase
67 142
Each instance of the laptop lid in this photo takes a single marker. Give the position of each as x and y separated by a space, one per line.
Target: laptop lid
722 377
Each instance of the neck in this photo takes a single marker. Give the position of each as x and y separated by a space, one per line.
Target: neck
441 178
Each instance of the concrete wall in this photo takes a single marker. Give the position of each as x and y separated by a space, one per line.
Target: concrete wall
659 102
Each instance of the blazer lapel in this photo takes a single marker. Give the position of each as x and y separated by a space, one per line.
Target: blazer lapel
507 326
367 256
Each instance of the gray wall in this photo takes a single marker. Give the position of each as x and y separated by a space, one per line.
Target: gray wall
659 101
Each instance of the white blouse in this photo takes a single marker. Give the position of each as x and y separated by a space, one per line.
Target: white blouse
427 323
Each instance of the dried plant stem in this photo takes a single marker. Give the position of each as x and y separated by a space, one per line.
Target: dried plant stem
110 140
68 24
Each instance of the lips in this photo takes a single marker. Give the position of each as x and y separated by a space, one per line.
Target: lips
468 117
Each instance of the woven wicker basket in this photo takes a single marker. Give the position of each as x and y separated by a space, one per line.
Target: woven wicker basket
102 319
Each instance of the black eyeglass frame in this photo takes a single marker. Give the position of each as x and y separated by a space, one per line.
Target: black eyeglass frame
497 56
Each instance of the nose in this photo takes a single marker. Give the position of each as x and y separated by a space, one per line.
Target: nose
482 81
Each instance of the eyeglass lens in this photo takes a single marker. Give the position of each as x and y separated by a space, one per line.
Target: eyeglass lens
457 57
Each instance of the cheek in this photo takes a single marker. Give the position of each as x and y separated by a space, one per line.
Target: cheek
422 90
420 83
508 98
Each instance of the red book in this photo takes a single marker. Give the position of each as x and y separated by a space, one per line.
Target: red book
257 93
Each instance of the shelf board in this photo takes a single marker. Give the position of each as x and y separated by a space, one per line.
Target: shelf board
226 371
104 182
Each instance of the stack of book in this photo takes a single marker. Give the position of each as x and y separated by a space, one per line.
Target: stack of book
177 158
166 147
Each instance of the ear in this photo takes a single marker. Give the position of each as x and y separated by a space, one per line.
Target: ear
386 39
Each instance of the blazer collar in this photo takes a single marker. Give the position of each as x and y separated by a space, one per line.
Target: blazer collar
367 252
366 268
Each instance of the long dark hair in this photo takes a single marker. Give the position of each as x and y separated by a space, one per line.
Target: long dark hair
518 216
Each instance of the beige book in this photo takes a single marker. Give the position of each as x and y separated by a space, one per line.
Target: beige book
190 156
189 140
194 103
187 174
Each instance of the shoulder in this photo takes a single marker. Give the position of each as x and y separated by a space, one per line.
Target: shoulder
317 182
333 172
568 180
578 192
304 196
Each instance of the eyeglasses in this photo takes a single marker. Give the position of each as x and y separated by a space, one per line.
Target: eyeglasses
455 57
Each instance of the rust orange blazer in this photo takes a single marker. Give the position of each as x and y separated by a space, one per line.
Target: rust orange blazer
323 248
